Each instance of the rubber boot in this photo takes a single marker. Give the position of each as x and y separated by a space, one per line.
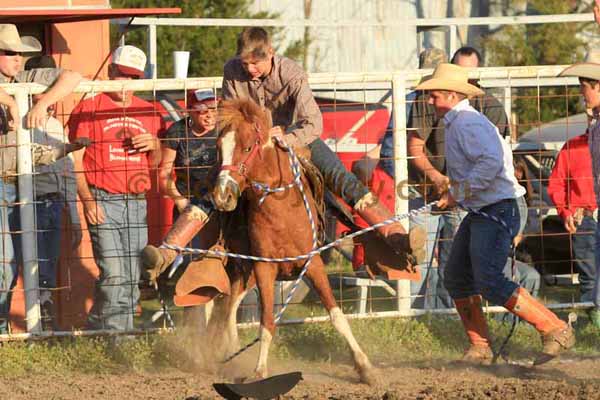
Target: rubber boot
473 320
374 212
556 334
156 260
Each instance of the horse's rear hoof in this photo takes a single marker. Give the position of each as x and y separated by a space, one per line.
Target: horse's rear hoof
368 376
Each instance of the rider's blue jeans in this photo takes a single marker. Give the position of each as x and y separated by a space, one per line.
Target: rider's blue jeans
337 178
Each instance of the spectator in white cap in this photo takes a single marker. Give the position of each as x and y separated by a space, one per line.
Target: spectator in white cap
123 130
190 149
61 83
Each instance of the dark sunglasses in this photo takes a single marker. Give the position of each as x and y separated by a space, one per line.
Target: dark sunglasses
11 53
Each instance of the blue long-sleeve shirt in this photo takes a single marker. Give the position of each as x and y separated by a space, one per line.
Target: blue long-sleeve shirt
478 161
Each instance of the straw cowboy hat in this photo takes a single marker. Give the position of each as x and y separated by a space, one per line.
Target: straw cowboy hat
589 69
450 77
11 41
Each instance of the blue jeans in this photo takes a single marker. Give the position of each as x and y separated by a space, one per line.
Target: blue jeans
426 289
9 249
117 244
584 244
596 293
479 253
449 223
337 178
48 215
528 277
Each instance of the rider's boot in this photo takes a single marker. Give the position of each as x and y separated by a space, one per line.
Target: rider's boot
156 260
374 212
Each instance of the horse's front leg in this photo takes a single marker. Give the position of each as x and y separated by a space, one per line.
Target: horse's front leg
232 331
316 273
265 281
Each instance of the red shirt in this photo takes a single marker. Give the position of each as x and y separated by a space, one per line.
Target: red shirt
382 185
108 163
571 185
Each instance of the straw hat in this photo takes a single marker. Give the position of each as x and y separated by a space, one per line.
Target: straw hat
450 77
589 69
11 41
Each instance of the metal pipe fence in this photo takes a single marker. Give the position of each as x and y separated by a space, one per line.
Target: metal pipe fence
365 122
417 26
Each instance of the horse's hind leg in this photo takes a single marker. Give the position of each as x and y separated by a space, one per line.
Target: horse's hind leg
265 281
316 273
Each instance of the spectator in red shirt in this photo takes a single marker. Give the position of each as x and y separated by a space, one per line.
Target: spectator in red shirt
123 130
571 188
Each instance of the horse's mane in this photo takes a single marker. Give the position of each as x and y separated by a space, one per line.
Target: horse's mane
235 113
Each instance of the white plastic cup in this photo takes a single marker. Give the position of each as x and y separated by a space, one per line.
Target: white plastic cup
181 60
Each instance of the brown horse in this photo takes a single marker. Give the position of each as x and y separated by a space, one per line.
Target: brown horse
279 226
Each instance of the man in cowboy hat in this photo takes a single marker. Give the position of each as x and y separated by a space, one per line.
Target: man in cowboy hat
480 168
427 162
61 83
589 84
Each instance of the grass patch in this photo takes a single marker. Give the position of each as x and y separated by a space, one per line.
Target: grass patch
393 340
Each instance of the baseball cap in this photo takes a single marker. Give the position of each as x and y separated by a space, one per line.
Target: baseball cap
129 60
201 99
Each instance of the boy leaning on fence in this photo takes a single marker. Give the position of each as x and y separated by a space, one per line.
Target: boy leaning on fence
480 167
113 175
571 188
61 83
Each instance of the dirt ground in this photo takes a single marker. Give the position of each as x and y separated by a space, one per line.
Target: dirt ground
564 379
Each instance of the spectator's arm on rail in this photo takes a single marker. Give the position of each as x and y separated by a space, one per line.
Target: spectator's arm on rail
13 110
63 86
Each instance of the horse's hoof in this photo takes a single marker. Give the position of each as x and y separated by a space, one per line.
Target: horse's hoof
368 376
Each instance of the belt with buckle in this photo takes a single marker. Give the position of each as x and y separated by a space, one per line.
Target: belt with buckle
48 196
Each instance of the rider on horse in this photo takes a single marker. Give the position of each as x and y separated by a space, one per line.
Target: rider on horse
279 85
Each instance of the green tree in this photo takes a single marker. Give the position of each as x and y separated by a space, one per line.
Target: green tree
543 44
209 47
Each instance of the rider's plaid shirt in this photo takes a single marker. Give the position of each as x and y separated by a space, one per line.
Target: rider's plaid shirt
284 92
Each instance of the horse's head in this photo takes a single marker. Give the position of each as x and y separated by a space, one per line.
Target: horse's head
243 133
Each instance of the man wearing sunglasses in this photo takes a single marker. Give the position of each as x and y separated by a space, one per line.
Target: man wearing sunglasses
60 83
123 131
